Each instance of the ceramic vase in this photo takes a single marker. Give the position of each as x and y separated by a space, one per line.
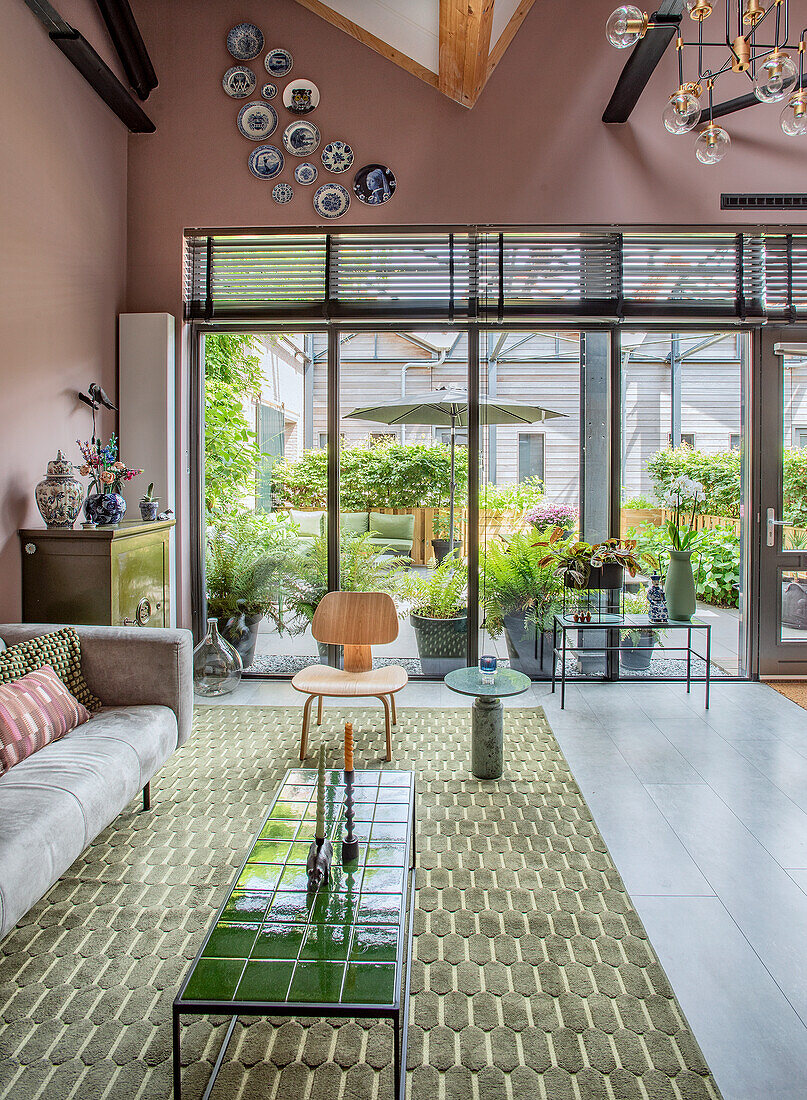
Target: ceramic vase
104 509
657 604
149 509
216 664
58 495
679 587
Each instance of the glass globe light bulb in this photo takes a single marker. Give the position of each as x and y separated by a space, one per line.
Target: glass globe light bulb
776 77
712 144
682 113
625 26
794 115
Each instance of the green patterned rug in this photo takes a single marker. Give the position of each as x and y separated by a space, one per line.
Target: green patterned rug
532 975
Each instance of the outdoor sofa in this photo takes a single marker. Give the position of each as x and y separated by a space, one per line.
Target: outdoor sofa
392 534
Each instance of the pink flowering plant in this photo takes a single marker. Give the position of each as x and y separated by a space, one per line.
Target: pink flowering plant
552 515
103 467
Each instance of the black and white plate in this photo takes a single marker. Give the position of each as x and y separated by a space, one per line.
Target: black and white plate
374 184
257 121
278 62
282 192
266 162
245 41
337 156
301 96
301 138
306 173
239 82
331 200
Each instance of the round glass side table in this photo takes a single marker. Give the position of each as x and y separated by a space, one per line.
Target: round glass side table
487 726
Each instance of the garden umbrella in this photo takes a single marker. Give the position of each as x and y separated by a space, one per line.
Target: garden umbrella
449 408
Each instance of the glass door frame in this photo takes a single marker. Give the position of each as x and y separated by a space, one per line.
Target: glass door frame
776 658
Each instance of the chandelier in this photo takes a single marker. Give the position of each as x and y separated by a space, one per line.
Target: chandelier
756 45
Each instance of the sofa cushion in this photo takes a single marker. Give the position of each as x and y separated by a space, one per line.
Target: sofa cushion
35 711
60 649
387 526
354 523
402 547
311 524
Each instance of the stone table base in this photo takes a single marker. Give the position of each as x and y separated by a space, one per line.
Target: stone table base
487 737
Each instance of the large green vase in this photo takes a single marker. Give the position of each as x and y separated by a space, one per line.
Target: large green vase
679 587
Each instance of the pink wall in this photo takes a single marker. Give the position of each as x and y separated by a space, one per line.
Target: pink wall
62 261
530 151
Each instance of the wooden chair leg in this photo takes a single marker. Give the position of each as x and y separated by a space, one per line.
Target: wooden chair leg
319 711
394 712
387 726
147 797
306 718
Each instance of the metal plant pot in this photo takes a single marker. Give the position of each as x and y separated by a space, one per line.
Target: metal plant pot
241 631
441 643
529 650
630 656
443 547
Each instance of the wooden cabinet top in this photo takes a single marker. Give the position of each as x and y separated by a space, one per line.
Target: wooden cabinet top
122 531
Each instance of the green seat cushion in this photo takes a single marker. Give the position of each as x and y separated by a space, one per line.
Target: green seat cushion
354 523
400 546
311 524
393 527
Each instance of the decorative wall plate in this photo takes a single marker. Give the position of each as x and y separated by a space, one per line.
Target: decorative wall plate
257 121
337 156
269 91
278 62
301 96
266 162
301 138
239 82
245 41
374 184
306 173
282 192
331 200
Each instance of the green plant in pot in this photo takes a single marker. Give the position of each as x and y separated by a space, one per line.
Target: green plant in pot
519 597
439 615
149 504
589 565
246 561
441 543
635 643
682 499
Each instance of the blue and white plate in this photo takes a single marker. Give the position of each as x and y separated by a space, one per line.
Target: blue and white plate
301 138
282 192
374 184
337 156
306 173
257 121
266 162
269 91
245 41
331 200
239 82
278 62
301 96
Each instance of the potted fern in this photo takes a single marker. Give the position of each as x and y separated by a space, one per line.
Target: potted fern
439 615
520 593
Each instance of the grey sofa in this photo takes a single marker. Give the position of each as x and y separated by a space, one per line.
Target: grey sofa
54 803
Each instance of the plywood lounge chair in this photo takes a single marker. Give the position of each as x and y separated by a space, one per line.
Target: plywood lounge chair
356 621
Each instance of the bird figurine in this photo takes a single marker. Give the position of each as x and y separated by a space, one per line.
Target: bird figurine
95 397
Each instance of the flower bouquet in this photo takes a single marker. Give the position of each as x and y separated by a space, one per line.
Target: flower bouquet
104 506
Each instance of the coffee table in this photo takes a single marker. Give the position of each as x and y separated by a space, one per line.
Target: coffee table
487 723
277 949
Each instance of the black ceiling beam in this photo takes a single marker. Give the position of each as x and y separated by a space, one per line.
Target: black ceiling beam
129 44
730 106
643 60
93 68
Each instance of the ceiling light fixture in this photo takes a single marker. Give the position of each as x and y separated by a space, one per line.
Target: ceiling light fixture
756 45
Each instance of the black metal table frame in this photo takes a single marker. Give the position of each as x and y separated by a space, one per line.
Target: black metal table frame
398 1012
609 646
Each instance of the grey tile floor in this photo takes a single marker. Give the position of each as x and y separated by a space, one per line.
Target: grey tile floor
705 815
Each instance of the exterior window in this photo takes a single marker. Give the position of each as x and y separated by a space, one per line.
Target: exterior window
323 440
689 439
530 455
800 438
734 441
271 431
460 436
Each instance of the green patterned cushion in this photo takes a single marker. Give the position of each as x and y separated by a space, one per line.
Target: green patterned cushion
62 651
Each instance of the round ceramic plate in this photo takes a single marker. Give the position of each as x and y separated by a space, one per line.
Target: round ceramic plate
239 82
266 162
306 173
374 184
278 62
331 200
301 96
282 192
245 41
257 121
337 156
269 91
301 138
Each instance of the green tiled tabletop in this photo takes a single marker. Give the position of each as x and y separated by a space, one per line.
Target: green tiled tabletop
276 943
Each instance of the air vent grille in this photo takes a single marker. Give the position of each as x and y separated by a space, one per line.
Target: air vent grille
792 201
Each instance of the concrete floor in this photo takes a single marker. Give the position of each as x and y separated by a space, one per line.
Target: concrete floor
705 815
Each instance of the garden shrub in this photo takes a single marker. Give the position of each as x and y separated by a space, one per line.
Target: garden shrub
718 473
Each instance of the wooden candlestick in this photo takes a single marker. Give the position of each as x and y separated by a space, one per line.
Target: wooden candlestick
348 746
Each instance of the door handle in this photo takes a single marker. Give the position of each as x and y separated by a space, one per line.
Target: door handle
771 526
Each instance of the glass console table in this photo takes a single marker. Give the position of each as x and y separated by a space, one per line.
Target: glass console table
276 948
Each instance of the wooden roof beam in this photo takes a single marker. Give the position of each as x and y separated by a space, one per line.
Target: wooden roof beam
465 27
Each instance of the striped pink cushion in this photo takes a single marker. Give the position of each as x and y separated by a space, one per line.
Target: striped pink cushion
35 710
